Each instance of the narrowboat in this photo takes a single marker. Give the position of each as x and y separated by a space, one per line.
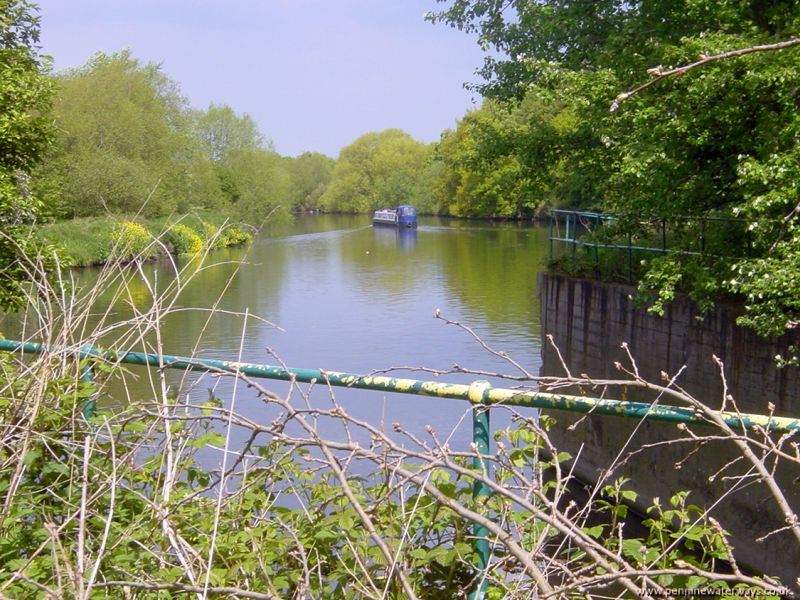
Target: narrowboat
404 215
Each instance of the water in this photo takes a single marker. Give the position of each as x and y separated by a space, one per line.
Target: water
334 293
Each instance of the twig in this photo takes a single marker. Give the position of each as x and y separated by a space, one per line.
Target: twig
658 73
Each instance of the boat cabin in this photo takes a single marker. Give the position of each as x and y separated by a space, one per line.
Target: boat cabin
404 215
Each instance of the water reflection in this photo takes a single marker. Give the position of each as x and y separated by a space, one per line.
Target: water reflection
404 238
345 296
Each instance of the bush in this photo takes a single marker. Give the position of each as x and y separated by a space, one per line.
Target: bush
225 235
184 239
131 240
233 235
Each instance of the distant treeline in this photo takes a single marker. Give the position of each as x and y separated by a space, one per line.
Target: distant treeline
127 142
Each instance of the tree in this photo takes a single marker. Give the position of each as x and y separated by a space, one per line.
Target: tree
222 132
718 141
125 142
258 185
25 132
500 160
378 169
310 174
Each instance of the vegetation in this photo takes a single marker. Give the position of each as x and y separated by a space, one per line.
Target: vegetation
142 501
94 240
377 170
128 148
718 141
25 94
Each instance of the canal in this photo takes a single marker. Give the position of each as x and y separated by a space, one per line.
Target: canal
332 292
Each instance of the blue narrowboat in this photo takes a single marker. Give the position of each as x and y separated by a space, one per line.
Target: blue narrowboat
404 215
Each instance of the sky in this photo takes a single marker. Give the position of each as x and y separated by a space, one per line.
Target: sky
314 74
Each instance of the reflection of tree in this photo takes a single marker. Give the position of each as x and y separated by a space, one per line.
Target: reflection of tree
489 269
493 270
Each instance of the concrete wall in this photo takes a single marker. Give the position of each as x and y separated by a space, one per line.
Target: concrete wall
589 321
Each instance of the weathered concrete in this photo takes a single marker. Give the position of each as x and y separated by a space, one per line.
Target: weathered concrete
589 321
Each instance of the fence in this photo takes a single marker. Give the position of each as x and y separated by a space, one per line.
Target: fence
601 234
479 393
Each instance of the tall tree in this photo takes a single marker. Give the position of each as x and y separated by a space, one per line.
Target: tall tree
222 132
125 141
500 159
718 141
25 132
310 173
378 169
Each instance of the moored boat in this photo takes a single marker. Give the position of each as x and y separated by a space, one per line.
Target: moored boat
404 215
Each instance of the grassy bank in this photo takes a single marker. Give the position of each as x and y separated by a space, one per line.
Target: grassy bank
93 241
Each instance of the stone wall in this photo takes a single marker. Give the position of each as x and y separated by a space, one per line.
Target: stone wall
590 320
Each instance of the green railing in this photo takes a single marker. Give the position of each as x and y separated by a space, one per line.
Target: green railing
701 236
479 393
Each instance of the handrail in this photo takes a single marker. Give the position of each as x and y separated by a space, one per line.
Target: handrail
580 227
490 395
479 393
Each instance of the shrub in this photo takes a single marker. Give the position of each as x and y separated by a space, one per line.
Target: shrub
235 235
131 240
184 239
227 235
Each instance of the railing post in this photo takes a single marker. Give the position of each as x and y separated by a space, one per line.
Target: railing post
478 392
574 233
87 375
630 257
702 235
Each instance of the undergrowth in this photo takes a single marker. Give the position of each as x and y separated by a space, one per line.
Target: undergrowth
156 498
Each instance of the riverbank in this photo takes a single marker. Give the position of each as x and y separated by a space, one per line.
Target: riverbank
94 241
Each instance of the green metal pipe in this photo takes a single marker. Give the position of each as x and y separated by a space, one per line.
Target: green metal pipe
480 491
582 404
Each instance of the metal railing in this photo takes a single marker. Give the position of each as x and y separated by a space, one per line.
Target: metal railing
702 236
480 394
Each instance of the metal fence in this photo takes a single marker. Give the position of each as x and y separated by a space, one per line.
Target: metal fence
602 239
480 394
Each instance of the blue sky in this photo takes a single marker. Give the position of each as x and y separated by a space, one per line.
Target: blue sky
314 74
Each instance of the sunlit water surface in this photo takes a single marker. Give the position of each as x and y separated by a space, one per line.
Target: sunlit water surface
334 293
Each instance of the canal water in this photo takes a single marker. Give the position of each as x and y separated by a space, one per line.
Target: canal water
332 292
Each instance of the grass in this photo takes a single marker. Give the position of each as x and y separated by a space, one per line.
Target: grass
92 241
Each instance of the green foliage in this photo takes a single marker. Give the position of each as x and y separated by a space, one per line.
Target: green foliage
310 174
131 240
257 186
184 239
283 525
80 242
223 132
122 140
718 141
233 235
499 162
129 144
25 133
90 241
377 170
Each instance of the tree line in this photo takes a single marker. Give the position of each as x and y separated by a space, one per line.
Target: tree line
116 136
127 141
678 110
